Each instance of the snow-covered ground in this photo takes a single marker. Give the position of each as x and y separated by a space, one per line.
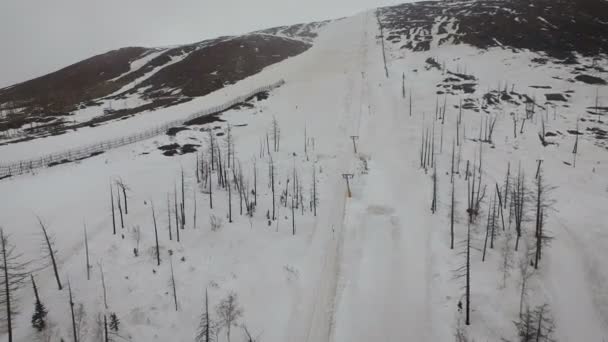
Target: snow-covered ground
372 267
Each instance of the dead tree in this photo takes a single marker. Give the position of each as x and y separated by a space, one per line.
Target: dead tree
105 327
255 183
507 253
169 217
72 312
176 212
122 222
197 169
536 325
410 102
468 277
403 85
434 201
229 203
86 249
273 193
543 203
276 134
113 213
229 311
40 311
452 209
485 243
575 149
123 188
156 234
464 272
13 276
211 139
293 216
210 188
103 285
49 248
173 287
206 328
183 204
518 198
525 273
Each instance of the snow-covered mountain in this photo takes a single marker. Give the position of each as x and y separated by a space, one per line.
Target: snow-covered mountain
122 83
445 118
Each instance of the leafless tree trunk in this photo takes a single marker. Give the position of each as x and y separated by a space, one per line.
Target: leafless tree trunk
173 287
122 222
229 312
13 276
176 212
113 215
103 285
72 312
86 249
156 234
169 216
49 247
124 188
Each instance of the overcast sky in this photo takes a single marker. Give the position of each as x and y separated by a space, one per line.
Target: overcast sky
40 36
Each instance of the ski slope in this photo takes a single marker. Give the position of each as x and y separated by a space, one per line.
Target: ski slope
375 266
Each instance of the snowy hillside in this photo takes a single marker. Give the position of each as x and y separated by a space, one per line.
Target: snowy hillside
252 203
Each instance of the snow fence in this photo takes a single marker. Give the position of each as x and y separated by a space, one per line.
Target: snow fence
83 152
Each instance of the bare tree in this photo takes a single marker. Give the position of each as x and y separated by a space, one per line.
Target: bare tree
81 322
272 182
103 285
173 287
229 311
507 257
49 249
575 149
12 277
543 204
169 216
207 328
519 200
40 311
86 249
229 202
276 134
525 273
536 325
434 202
452 210
122 222
113 213
156 235
74 330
